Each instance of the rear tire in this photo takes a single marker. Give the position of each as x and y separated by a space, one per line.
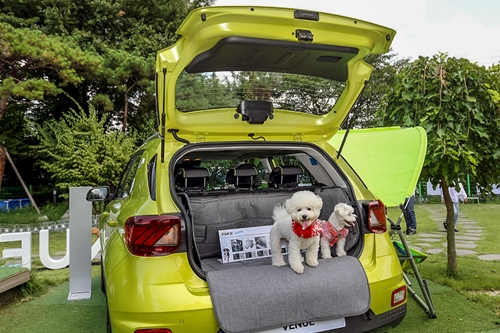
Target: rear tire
108 322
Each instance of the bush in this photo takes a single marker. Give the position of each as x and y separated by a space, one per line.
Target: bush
28 215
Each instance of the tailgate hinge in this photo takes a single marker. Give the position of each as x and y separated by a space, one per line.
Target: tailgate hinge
200 137
298 136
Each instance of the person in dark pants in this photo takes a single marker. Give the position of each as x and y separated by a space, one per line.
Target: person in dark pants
410 217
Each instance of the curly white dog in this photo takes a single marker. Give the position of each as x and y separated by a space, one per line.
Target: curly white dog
297 222
334 231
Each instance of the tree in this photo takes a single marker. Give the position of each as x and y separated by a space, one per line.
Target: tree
33 65
123 34
385 68
453 99
126 71
79 151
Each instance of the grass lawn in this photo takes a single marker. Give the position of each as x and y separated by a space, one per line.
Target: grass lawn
469 301
466 303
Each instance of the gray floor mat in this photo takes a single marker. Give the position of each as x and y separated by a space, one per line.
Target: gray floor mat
256 298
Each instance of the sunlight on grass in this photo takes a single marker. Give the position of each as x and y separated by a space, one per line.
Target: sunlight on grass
476 279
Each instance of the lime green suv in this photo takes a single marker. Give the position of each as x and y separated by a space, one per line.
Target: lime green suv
247 101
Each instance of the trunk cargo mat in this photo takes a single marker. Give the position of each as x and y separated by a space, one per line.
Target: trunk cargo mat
253 299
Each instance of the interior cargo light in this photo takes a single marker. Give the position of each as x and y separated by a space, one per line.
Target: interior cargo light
153 235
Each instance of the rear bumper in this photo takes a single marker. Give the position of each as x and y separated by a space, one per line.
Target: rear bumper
369 322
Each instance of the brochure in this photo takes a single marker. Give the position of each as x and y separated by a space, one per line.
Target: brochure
246 244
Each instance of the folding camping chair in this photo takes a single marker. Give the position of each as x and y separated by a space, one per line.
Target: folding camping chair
409 258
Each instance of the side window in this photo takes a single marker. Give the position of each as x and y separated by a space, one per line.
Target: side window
152 177
127 182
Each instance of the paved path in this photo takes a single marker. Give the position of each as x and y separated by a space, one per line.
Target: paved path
466 240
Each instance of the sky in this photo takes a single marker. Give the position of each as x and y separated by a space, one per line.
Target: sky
461 28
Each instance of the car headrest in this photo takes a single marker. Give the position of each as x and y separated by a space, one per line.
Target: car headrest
285 176
244 176
192 179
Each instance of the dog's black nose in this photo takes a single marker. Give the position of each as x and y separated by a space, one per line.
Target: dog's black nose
304 217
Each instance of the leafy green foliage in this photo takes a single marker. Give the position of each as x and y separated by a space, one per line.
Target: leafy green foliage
29 59
385 68
454 100
80 152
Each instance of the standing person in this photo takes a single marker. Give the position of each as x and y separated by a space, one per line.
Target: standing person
410 217
456 197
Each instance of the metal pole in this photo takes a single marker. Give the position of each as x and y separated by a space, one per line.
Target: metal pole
22 182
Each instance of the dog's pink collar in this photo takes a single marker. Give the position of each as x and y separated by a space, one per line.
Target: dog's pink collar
332 234
314 229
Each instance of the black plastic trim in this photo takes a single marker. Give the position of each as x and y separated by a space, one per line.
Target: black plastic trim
258 54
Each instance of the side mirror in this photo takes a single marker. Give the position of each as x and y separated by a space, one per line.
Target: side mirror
98 194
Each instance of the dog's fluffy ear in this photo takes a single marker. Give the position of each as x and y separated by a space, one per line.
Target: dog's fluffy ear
342 209
319 203
289 207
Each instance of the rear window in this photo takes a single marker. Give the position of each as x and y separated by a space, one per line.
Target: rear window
294 92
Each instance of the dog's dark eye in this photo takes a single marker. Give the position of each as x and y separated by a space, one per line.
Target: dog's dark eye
299 209
309 208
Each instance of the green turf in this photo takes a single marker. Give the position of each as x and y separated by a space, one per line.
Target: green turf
5 272
53 313
455 313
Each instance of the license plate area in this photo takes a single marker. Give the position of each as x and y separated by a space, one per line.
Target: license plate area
312 326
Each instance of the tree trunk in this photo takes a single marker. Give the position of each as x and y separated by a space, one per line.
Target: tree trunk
3 106
125 107
125 112
2 164
452 267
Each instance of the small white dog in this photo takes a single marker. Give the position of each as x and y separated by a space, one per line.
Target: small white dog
334 231
297 222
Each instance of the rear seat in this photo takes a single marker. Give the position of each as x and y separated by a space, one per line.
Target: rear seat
285 176
214 210
194 179
244 176
243 209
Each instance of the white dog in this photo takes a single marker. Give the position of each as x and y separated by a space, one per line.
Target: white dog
334 231
297 222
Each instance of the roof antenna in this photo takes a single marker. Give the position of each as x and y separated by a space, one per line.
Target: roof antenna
351 123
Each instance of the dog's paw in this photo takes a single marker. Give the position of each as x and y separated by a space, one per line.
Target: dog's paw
298 269
312 263
279 263
341 253
326 256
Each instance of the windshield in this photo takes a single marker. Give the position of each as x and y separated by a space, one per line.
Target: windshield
216 90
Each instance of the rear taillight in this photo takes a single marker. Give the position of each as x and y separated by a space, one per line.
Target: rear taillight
154 330
153 235
377 222
398 296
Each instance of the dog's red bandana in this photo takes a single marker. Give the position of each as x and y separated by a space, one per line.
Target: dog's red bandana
332 234
312 230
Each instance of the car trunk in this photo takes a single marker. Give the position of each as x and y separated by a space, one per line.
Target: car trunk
251 295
